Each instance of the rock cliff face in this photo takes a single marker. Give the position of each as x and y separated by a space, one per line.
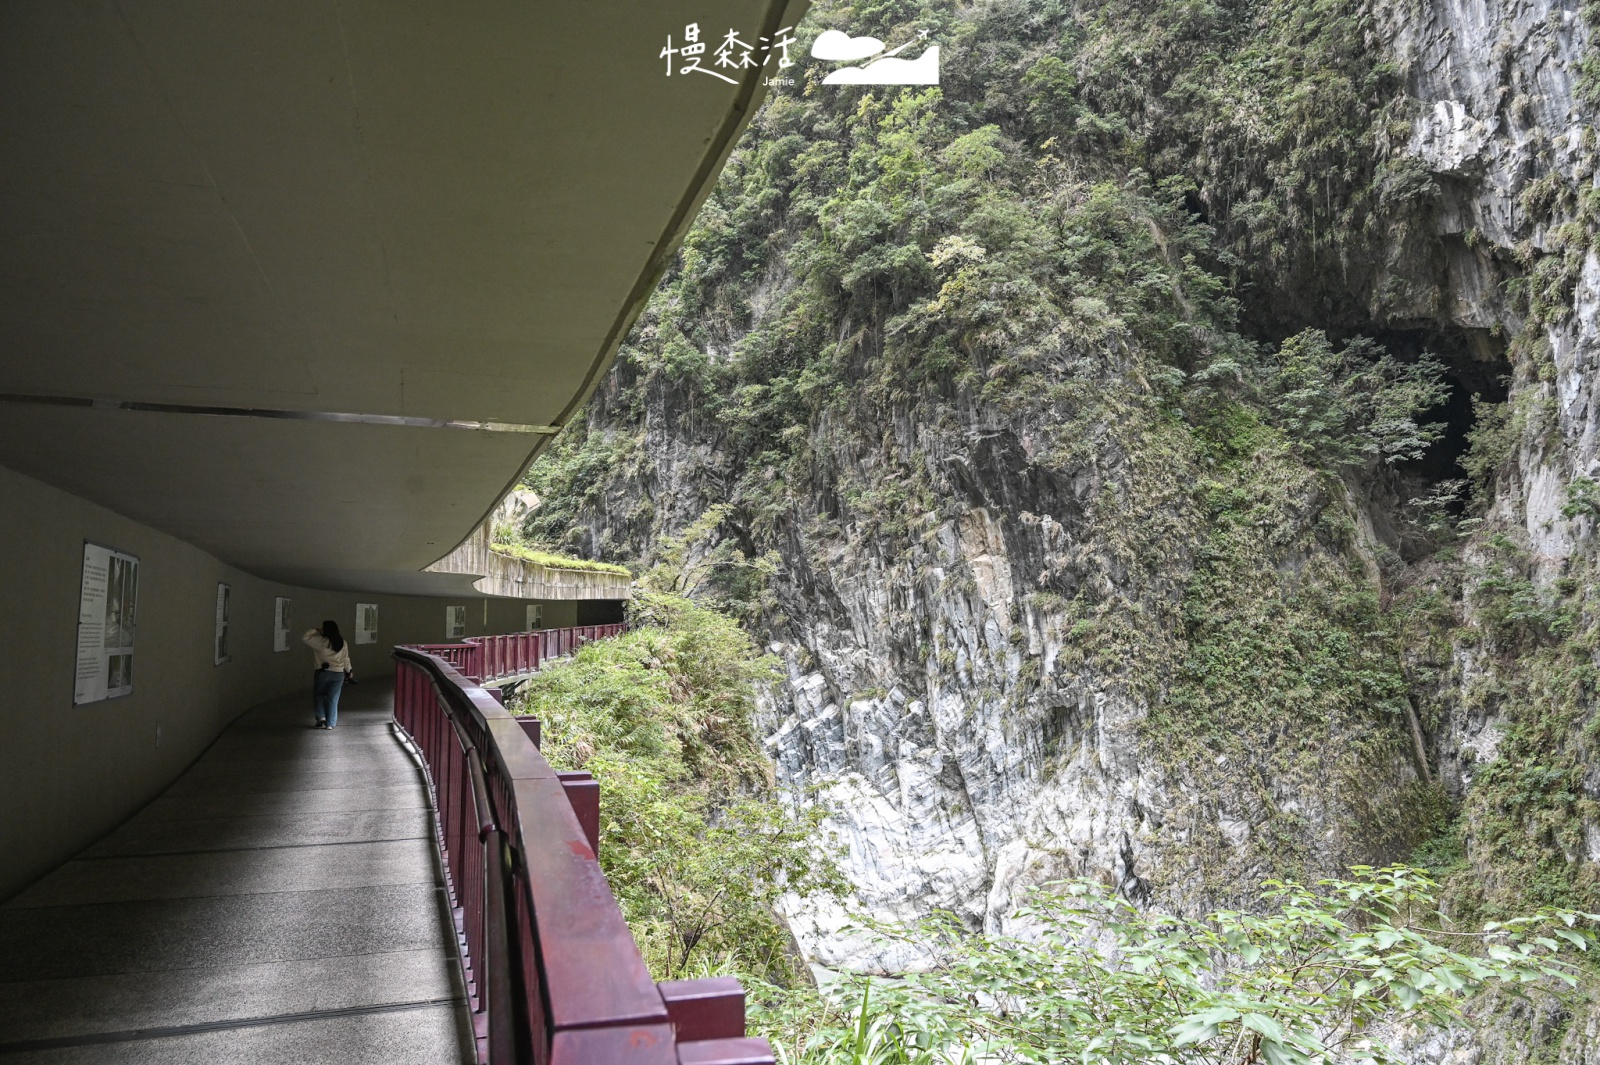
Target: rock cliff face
1045 605
1511 146
1507 127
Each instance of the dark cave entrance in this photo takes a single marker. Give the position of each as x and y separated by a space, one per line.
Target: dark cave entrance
1475 365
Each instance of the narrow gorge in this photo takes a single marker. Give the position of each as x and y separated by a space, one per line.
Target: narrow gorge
1165 452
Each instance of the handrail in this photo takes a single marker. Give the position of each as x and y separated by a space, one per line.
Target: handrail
553 974
490 658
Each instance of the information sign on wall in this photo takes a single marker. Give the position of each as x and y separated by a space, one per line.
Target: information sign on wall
224 596
107 617
455 622
366 623
280 624
535 616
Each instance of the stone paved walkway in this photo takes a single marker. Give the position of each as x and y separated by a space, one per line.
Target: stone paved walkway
281 903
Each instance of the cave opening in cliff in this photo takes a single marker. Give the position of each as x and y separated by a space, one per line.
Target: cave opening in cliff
1475 366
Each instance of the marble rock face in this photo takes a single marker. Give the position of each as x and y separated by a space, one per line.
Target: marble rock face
956 785
965 745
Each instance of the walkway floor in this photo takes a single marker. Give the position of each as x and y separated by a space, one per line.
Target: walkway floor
280 903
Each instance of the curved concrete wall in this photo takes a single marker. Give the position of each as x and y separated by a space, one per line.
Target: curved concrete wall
503 575
68 774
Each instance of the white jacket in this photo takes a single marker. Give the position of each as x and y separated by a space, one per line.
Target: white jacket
325 654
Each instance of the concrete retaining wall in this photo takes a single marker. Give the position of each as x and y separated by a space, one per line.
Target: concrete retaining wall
504 575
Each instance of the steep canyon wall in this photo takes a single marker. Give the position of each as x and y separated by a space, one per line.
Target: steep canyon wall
1021 383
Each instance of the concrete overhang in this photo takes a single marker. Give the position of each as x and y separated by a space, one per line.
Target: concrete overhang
307 283
501 574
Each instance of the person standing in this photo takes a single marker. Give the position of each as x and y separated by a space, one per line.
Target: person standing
332 656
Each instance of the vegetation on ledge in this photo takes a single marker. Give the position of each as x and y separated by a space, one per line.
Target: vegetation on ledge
550 560
694 841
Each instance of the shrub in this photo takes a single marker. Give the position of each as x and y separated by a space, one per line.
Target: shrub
1102 982
694 841
1352 406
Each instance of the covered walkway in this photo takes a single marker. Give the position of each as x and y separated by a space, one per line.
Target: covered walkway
281 902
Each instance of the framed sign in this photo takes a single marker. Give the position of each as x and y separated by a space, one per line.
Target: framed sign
366 623
108 606
455 622
280 624
224 597
535 616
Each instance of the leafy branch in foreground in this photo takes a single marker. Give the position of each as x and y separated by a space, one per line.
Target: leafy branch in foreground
1097 980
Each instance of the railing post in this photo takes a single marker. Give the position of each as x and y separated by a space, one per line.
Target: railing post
503 1012
494 981
583 792
712 1008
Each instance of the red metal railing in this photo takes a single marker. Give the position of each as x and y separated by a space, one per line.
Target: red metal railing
553 974
490 658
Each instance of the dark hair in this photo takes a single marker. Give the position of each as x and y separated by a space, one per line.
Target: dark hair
330 629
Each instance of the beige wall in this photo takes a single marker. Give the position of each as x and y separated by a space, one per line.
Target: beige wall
510 615
69 774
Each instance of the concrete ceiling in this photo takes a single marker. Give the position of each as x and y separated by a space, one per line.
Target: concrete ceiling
429 214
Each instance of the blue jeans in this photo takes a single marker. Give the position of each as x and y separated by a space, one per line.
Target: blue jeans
325 689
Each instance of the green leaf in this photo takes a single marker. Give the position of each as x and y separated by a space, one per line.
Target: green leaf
1187 1032
1199 1027
1284 1054
1269 1028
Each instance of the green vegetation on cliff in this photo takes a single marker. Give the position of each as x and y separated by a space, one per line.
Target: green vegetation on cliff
1019 292
695 844
1331 972
1092 312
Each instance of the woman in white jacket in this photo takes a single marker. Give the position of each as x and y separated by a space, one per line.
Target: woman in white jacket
333 665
